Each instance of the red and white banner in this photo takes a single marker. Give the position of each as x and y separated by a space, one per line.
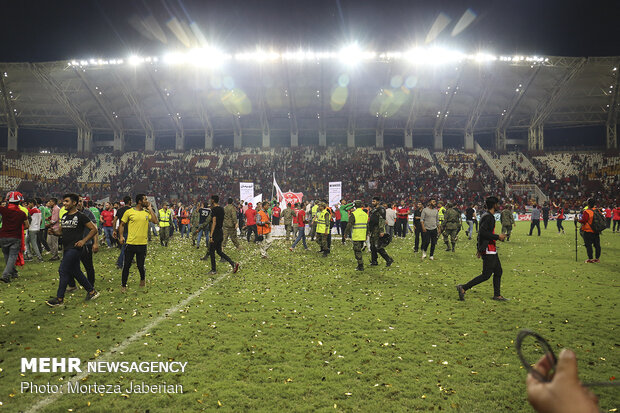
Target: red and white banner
292 197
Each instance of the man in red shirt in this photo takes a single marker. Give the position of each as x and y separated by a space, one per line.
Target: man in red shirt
250 222
608 214
616 213
14 221
275 215
402 216
301 226
590 238
107 219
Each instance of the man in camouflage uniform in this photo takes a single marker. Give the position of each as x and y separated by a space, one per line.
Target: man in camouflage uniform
451 226
193 222
357 231
507 221
376 228
231 224
287 219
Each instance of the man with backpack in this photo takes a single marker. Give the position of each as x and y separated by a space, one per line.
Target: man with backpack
592 224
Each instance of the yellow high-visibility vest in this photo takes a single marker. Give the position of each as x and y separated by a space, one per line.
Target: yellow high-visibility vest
358 232
164 217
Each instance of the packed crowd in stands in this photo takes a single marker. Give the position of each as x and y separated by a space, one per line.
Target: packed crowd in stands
393 174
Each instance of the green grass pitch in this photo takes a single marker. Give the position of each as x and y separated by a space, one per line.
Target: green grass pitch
299 332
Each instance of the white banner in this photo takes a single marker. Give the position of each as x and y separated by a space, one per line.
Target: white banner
254 201
246 191
279 194
335 193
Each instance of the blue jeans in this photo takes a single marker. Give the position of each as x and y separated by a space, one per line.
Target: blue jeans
70 268
184 229
108 235
10 249
301 236
470 230
202 232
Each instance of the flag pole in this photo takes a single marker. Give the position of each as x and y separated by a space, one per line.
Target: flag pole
273 181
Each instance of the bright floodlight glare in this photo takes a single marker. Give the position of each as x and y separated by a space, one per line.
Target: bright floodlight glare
206 56
134 60
434 56
352 55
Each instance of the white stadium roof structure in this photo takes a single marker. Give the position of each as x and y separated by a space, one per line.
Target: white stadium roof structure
302 94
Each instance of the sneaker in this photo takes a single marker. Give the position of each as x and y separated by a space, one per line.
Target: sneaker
360 268
461 291
373 264
291 249
206 257
235 267
212 272
431 258
596 260
423 254
54 302
448 249
589 261
5 279
452 249
55 258
92 295
263 256
415 251
499 298
123 289
142 283
390 262
69 289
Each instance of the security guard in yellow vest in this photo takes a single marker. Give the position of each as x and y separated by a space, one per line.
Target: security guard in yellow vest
357 227
440 212
165 216
322 228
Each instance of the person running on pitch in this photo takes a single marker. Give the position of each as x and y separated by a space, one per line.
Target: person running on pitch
376 227
216 237
357 226
137 221
72 227
487 250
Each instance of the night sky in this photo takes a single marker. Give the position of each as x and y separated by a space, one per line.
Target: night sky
58 30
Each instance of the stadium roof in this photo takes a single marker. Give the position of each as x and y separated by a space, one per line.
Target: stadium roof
308 92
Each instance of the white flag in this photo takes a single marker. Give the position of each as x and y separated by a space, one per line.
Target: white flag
279 194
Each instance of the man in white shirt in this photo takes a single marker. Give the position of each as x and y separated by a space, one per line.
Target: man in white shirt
32 249
390 218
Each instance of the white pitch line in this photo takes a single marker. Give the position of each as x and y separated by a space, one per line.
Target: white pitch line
53 397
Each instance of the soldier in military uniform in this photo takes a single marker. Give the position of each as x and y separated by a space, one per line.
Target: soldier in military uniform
193 221
230 224
451 226
376 227
357 227
507 221
287 219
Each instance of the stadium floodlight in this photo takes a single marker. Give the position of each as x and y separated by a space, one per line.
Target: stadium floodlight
483 57
352 55
434 56
258 56
206 56
135 60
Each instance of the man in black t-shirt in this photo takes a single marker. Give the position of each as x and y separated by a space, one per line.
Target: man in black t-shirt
545 214
417 225
115 234
72 226
217 235
470 216
203 228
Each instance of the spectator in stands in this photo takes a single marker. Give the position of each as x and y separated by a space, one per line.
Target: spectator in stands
54 225
535 217
590 237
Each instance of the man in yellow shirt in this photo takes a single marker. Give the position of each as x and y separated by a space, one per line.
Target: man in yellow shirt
137 221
